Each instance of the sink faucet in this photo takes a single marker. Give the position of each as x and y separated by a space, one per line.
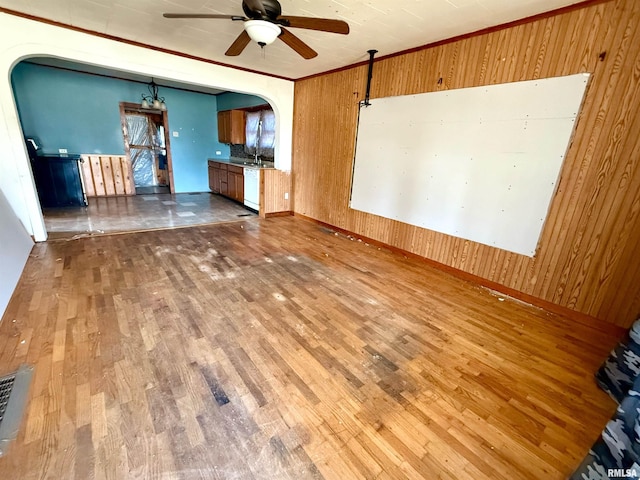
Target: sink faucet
257 159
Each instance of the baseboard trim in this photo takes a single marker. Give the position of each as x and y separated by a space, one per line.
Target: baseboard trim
573 315
278 214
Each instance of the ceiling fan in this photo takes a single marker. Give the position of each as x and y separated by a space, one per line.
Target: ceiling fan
264 23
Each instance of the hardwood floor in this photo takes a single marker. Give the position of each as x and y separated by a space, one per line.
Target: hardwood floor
275 349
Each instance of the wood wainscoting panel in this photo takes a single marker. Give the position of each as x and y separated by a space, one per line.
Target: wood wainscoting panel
107 175
587 257
275 185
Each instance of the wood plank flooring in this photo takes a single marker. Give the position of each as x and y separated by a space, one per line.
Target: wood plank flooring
276 349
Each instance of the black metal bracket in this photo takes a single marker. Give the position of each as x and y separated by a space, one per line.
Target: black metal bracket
371 53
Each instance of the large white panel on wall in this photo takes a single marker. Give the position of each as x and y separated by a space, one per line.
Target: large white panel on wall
478 163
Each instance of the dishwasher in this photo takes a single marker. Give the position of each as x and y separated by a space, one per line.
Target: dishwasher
252 188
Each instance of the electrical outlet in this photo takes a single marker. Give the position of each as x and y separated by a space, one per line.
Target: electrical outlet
286 196
62 150
218 152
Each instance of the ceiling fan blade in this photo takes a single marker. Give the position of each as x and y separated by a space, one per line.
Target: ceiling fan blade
255 6
298 45
202 15
321 24
238 45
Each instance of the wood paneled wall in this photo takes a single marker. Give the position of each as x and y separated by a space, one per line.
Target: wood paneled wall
588 259
276 184
107 175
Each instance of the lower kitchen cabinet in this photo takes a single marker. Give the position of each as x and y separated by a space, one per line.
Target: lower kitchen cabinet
218 178
224 186
214 179
252 186
235 179
227 180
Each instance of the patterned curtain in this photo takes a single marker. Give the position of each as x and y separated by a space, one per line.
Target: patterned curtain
616 454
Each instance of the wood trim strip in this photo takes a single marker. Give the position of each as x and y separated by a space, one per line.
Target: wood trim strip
514 23
116 77
106 36
573 315
256 108
464 36
167 145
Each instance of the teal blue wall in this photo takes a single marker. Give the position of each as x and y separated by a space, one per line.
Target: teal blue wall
70 110
80 112
194 117
231 100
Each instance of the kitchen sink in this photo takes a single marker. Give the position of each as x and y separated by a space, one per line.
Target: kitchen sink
249 163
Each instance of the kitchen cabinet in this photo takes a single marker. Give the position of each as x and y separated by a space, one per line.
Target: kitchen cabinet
231 127
263 189
227 180
239 179
235 181
214 179
224 187
218 178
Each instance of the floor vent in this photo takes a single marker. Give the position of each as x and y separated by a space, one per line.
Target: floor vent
13 396
246 215
6 385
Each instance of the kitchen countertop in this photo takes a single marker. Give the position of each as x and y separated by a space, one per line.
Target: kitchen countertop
243 162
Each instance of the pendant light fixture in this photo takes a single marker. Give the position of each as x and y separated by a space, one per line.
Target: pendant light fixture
152 100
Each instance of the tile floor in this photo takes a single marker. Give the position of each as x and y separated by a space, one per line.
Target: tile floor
141 212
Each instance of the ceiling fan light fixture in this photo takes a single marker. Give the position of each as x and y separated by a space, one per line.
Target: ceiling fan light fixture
262 32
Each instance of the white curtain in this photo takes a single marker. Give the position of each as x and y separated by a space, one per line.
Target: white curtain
252 122
260 133
267 133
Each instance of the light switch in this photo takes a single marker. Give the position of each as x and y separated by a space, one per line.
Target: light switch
218 152
175 134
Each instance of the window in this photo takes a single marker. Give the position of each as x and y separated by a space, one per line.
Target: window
260 133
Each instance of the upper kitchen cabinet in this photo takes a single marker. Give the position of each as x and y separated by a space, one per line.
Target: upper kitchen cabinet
231 127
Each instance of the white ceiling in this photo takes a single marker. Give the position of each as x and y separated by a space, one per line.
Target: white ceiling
385 25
